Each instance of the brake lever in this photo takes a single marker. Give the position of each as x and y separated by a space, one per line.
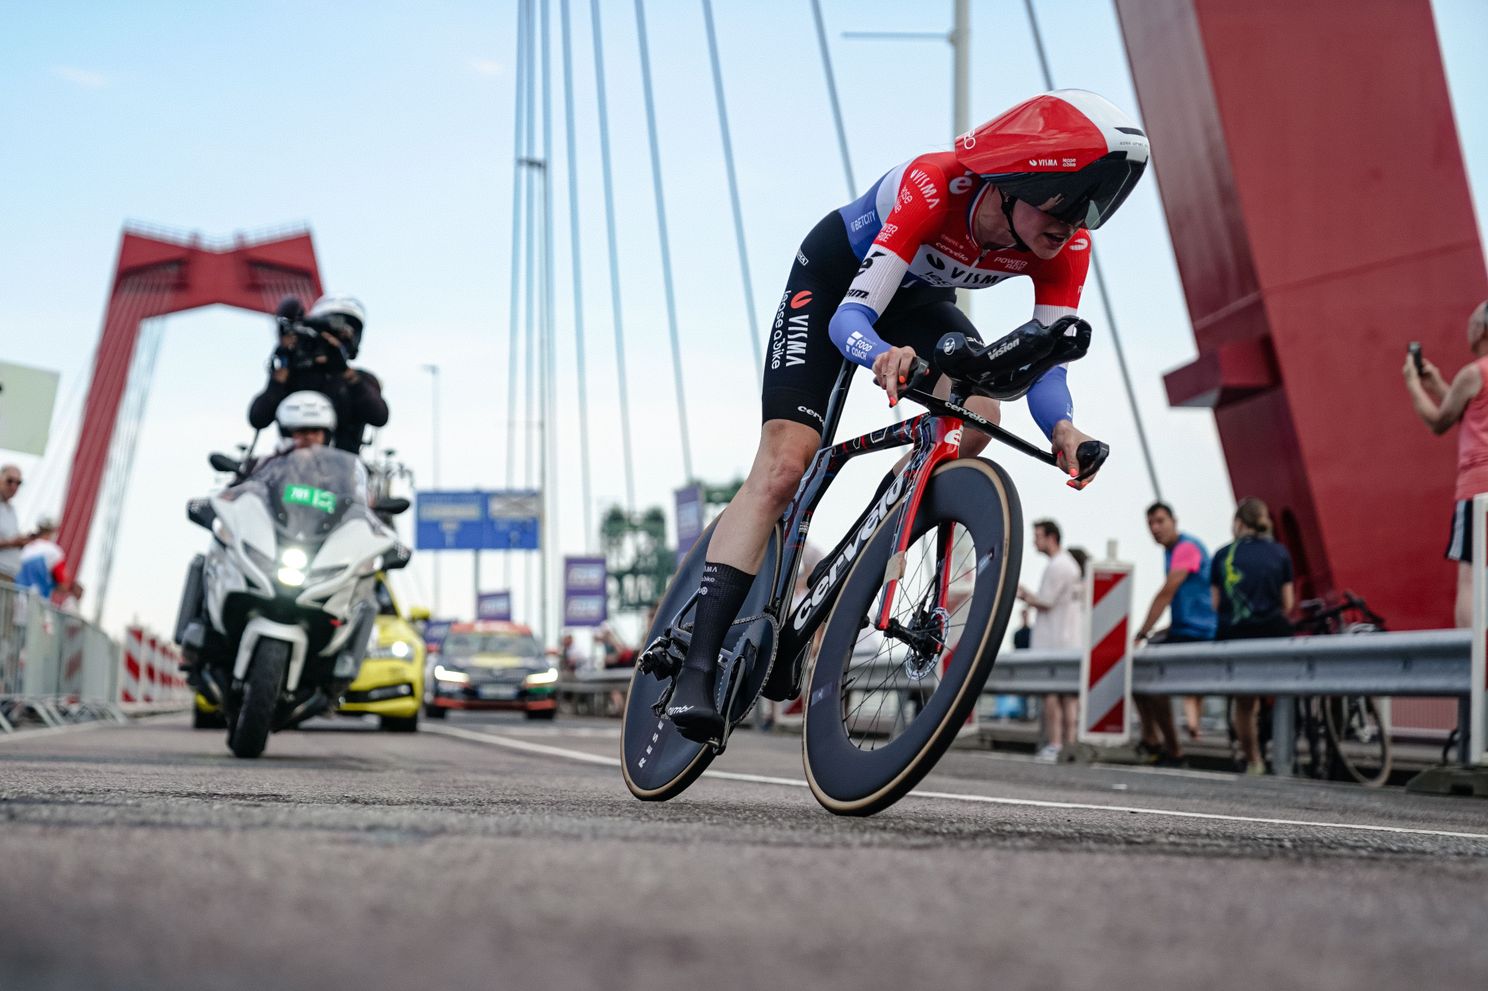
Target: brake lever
1089 457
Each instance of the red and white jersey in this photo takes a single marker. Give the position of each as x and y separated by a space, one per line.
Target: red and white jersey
914 226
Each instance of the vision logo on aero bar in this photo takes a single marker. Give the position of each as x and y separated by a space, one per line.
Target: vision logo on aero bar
800 299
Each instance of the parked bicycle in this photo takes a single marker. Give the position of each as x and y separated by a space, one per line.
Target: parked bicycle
926 576
1346 740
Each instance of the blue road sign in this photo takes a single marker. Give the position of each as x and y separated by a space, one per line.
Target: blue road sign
449 521
513 520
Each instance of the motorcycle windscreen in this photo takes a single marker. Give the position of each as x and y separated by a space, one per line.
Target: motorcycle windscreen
310 491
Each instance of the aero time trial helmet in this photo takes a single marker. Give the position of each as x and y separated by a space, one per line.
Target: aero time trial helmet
1071 147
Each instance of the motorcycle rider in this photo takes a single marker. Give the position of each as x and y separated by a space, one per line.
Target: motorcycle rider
305 419
314 354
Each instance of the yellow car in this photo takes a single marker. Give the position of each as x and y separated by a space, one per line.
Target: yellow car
390 684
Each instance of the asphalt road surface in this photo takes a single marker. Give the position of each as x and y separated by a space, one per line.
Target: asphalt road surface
493 853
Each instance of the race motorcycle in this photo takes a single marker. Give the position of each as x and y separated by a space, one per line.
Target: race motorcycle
277 616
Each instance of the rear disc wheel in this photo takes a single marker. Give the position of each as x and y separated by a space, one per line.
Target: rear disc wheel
657 762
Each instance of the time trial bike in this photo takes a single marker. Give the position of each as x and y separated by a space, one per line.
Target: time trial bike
913 601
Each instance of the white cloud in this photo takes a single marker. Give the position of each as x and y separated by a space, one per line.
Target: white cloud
86 78
485 66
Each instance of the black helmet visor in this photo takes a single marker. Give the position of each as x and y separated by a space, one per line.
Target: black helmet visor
1086 198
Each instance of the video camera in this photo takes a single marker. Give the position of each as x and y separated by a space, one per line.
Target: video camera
310 343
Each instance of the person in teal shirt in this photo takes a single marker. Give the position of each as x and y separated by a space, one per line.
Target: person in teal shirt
1186 593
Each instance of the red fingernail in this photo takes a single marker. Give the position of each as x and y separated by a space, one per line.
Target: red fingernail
892 402
901 380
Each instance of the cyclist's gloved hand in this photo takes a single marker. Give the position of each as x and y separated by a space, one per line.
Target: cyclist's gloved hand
893 370
1078 454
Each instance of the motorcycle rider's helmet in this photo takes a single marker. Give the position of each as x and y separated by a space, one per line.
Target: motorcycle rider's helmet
343 315
1070 153
306 411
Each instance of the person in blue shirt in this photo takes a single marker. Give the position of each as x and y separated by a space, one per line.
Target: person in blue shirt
1250 583
1186 593
43 565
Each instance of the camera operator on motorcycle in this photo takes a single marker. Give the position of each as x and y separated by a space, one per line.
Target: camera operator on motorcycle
874 282
314 354
276 616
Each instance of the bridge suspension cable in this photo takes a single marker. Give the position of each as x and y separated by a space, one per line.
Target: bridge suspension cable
666 253
546 431
1100 281
590 534
609 196
733 183
148 297
826 55
519 177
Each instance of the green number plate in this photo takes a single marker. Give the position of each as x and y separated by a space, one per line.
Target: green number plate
305 495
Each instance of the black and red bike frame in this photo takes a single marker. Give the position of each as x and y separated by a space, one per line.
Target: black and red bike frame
936 438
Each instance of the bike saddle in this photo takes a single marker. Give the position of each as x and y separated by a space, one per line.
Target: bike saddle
1009 366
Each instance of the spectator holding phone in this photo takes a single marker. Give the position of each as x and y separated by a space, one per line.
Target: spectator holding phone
1441 406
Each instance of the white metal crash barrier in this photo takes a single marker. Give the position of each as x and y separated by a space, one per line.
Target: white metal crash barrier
150 672
1477 752
55 667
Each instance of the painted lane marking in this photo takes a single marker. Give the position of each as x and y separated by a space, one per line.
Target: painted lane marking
578 755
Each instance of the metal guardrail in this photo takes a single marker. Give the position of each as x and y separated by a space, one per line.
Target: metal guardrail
1426 663
55 667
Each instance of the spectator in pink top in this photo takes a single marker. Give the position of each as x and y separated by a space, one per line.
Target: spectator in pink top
1464 401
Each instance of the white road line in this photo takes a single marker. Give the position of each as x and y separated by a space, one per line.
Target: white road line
578 755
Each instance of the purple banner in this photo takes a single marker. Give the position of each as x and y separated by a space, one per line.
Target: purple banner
690 512
585 591
493 605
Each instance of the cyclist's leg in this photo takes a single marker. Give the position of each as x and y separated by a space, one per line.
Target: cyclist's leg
800 369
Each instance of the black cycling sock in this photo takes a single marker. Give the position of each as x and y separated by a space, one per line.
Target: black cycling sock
720 598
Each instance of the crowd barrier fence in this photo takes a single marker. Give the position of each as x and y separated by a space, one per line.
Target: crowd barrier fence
58 668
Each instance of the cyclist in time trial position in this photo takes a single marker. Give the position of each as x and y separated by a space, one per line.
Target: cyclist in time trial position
875 281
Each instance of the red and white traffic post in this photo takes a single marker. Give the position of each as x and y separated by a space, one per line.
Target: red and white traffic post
1105 667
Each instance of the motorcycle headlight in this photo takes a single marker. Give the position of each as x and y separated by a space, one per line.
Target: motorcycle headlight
547 677
290 577
295 558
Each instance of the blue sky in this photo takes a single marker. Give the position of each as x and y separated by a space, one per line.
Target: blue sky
387 129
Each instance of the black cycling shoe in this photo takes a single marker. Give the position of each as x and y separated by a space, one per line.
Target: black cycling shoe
692 708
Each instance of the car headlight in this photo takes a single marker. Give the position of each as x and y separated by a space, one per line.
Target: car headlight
547 677
398 650
442 673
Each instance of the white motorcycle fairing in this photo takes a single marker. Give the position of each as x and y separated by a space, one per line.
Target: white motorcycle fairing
260 627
